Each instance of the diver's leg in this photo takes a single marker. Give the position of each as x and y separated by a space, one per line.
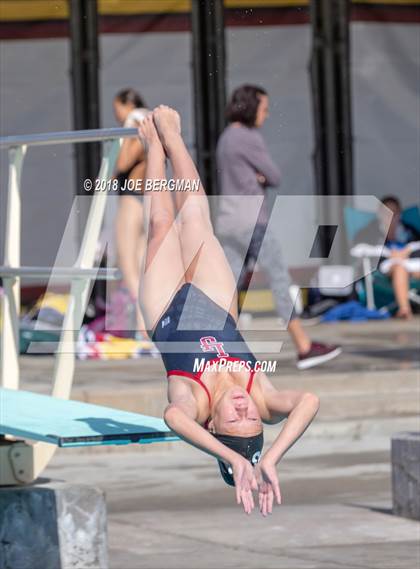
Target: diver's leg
203 256
168 124
163 269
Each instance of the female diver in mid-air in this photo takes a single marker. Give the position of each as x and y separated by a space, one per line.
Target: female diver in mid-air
188 296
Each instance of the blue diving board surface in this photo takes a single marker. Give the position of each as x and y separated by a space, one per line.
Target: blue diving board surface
69 423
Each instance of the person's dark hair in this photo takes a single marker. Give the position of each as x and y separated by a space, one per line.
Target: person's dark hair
391 200
126 96
243 104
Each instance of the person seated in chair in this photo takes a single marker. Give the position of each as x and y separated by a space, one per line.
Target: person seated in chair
401 260
404 257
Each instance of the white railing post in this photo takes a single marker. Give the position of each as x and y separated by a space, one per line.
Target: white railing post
10 301
65 360
81 288
367 270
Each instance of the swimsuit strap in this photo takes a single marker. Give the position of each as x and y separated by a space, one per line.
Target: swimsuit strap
198 380
194 377
251 380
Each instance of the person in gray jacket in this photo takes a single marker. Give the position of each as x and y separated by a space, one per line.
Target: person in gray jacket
245 168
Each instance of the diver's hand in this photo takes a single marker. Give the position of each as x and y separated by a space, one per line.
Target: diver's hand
245 482
268 485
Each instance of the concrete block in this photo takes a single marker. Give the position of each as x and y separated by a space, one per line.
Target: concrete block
53 526
405 458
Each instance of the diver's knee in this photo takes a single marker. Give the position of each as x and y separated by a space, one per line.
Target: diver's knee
161 222
195 215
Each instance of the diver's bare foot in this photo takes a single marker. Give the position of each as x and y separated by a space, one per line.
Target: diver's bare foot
149 135
168 124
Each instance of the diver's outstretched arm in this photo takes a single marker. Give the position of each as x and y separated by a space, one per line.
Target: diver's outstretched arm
180 418
300 409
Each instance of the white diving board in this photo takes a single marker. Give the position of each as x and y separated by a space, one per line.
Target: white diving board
69 423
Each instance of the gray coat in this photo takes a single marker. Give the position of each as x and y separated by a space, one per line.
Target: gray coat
241 155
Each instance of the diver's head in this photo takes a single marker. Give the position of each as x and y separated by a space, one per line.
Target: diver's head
235 413
236 422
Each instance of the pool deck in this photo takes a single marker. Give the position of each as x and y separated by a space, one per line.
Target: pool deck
169 509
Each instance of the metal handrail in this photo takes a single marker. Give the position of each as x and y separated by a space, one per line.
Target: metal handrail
67 137
61 273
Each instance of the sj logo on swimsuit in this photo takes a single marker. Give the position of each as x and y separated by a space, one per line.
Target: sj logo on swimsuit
210 344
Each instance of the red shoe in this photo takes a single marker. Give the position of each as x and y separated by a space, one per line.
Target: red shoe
318 354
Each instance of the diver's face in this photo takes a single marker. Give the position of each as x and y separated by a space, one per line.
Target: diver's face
262 110
235 413
121 110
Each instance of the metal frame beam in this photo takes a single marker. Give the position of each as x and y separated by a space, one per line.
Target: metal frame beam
85 90
331 98
208 56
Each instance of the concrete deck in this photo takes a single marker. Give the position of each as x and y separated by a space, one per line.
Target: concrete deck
169 509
